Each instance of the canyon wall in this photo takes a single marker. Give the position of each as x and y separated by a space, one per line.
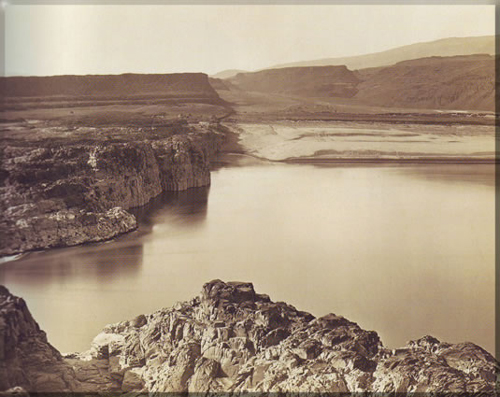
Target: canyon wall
61 195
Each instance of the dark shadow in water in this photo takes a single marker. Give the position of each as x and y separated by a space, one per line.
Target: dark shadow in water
121 257
99 263
482 174
188 206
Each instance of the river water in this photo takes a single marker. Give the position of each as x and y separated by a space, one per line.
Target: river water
403 250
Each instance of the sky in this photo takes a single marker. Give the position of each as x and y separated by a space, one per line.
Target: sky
44 40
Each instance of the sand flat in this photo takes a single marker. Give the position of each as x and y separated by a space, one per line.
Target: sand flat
285 141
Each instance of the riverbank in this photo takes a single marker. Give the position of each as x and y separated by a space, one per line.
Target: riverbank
65 187
367 142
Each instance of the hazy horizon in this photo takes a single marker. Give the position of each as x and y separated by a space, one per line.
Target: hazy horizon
48 40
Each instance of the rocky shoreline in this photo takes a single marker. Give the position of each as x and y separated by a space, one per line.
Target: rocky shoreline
232 339
71 191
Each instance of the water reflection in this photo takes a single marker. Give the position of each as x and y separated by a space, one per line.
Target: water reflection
191 205
482 174
103 262
404 250
99 263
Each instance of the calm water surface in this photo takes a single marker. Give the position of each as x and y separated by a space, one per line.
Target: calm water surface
404 250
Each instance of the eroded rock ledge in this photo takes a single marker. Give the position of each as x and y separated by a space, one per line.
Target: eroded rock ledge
231 339
54 194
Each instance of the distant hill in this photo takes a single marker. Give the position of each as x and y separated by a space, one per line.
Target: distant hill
444 47
220 84
121 86
226 74
324 81
460 82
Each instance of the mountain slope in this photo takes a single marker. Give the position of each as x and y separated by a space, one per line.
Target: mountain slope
226 74
456 83
325 81
461 82
443 47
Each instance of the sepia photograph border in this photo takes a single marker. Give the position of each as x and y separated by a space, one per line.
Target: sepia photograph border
496 3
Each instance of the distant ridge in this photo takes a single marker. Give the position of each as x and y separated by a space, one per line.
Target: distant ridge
443 47
458 82
226 74
465 82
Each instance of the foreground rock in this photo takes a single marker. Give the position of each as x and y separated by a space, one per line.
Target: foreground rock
68 191
232 339
27 360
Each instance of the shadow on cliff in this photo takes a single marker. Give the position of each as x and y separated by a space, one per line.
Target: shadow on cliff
187 207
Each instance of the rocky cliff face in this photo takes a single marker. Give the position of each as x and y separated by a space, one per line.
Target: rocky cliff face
231 339
319 81
27 360
60 195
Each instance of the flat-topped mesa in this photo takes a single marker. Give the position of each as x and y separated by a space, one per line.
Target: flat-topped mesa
129 85
316 81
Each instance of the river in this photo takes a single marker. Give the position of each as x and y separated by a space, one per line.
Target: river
403 250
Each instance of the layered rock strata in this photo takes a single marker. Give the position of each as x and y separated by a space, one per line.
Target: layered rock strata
231 339
61 195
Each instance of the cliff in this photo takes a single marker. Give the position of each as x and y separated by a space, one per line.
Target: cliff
60 193
232 339
177 85
323 81
27 360
454 83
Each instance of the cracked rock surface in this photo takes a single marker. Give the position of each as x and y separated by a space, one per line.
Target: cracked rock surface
232 339
54 195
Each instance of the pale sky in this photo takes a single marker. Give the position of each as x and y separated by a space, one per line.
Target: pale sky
112 39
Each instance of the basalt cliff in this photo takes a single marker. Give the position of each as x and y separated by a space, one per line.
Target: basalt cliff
232 339
64 191
78 151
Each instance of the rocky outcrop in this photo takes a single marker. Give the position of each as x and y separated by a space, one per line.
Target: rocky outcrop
232 339
61 195
27 360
